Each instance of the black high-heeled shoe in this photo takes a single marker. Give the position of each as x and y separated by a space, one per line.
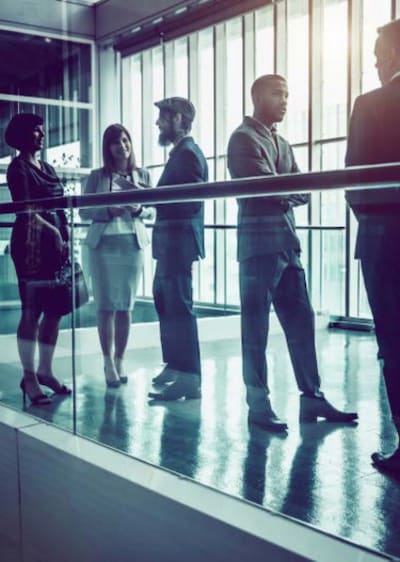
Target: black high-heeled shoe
111 383
37 400
52 383
123 378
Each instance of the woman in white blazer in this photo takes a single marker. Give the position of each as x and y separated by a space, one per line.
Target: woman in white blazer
116 240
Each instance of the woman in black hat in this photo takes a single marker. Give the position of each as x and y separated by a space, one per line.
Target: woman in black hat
39 243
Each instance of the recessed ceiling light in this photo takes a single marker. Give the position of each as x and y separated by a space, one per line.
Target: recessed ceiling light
180 10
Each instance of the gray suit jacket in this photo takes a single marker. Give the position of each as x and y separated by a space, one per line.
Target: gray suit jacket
265 224
99 181
374 138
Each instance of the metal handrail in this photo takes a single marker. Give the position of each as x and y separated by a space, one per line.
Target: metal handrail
366 177
83 224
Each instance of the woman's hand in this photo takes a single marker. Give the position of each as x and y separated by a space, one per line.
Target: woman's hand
54 233
134 209
148 213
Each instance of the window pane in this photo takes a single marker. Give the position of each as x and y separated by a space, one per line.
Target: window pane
204 122
157 152
374 14
328 270
181 86
33 65
296 122
234 76
334 68
264 55
301 155
333 205
68 142
132 102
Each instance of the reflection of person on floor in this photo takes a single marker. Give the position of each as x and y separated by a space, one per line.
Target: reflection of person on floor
254 468
270 270
115 429
178 241
39 244
116 239
179 441
374 138
304 487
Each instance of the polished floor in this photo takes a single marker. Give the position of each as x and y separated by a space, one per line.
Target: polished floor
319 473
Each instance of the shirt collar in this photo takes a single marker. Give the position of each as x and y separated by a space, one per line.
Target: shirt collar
261 127
179 143
395 75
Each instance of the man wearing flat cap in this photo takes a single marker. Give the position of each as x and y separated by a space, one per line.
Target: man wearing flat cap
178 241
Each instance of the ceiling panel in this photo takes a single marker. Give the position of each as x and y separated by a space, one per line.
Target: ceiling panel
113 16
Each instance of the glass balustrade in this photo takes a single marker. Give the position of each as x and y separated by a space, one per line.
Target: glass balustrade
317 473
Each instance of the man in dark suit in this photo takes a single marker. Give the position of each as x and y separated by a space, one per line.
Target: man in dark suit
374 138
270 270
178 240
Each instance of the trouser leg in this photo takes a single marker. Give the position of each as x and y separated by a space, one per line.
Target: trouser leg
382 282
256 278
173 298
295 313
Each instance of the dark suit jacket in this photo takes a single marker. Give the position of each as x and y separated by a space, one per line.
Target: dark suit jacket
178 233
374 138
265 224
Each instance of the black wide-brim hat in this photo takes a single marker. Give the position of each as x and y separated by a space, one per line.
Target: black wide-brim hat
20 128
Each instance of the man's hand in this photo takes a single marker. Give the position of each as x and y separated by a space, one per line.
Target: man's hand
116 211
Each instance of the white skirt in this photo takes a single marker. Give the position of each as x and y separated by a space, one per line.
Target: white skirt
116 266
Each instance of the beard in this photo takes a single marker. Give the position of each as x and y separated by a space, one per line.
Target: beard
164 138
168 135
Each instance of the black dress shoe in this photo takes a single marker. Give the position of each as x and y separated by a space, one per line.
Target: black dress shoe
186 386
268 421
313 407
167 375
387 463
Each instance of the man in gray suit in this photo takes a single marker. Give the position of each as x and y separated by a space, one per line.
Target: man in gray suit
374 138
270 270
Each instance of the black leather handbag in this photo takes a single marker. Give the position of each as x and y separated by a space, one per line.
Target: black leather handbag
62 290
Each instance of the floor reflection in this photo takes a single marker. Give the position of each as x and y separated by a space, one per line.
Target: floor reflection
319 473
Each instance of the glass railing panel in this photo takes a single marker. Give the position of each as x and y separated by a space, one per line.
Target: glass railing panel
35 333
216 298
318 472
210 439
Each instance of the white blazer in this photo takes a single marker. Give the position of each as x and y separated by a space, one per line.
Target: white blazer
99 182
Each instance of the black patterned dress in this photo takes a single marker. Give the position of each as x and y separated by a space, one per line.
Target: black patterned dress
34 250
